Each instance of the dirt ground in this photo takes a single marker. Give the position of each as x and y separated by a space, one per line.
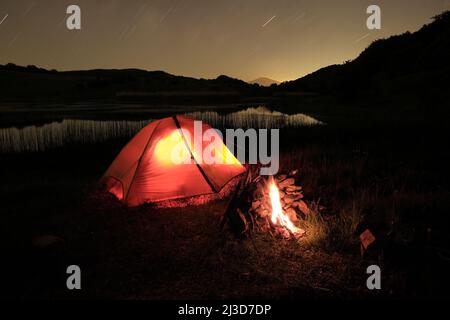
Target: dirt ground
148 253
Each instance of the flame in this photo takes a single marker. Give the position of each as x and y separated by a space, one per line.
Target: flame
278 216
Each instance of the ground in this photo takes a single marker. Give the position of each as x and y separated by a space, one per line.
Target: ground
360 179
147 253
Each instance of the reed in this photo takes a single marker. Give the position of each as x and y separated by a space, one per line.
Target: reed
57 134
259 117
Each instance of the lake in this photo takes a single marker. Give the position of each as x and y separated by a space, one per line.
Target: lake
35 138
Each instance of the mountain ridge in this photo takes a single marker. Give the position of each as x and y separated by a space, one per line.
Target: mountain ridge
405 62
412 66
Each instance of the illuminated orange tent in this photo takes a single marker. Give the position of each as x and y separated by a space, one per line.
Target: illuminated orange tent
164 161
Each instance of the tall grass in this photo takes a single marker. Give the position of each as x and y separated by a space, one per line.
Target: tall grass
335 232
259 117
57 134
336 192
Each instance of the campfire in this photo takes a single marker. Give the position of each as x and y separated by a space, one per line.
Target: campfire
278 217
271 204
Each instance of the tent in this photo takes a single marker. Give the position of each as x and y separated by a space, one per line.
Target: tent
145 170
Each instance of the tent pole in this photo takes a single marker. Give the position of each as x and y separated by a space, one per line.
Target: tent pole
213 187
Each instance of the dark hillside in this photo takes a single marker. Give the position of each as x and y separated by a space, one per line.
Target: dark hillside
412 64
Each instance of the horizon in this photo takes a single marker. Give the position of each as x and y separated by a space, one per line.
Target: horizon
144 70
256 40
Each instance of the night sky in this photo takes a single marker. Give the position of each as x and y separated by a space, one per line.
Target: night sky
281 39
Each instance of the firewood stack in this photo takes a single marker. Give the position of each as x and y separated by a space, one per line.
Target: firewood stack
291 196
250 207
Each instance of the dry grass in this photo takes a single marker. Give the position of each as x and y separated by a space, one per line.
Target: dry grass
259 117
333 232
354 183
348 191
57 134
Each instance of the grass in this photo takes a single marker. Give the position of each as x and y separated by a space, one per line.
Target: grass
58 134
336 232
393 183
259 117
351 179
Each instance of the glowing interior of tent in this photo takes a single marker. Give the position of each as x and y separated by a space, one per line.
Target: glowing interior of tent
172 150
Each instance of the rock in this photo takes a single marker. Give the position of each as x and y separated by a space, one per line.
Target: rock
286 183
46 241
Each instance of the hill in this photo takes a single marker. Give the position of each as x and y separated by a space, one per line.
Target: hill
411 69
31 83
406 66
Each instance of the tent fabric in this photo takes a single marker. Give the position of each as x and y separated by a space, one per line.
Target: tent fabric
144 170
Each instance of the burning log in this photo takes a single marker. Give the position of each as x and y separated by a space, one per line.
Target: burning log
292 214
279 216
280 200
274 205
286 183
